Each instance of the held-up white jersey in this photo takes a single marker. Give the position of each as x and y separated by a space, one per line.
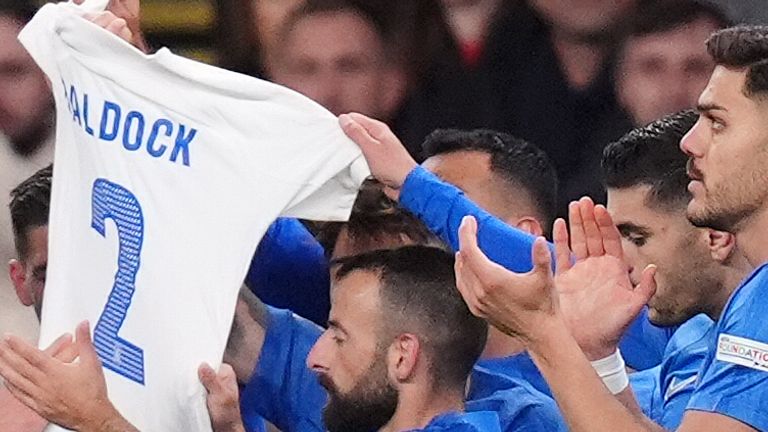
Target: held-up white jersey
167 174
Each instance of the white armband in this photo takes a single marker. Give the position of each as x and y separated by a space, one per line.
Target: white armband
612 370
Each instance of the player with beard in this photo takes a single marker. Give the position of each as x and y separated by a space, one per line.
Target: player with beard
728 148
400 345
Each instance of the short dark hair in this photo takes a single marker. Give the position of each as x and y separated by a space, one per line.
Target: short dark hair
743 47
651 156
519 163
661 16
359 7
30 206
19 10
418 295
375 217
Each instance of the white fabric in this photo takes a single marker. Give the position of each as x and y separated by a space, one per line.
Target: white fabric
258 151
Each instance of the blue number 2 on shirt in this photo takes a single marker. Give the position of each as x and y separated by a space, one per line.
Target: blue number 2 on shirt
112 201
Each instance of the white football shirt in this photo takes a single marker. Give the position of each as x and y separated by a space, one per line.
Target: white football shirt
167 174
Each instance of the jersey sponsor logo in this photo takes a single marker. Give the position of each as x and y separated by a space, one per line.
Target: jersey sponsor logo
677 386
742 351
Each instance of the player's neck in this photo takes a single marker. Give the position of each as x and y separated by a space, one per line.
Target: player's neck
735 272
752 237
500 345
417 410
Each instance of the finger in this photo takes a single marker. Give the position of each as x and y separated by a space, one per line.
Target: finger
647 286
38 360
468 234
101 19
578 240
464 282
208 377
119 27
12 376
591 232
377 129
226 371
356 132
59 345
542 258
609 232
85 348
562 250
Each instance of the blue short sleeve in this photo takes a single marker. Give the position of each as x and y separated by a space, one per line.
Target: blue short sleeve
734 378
282 389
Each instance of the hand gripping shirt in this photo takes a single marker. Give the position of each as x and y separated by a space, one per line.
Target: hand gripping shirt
167 174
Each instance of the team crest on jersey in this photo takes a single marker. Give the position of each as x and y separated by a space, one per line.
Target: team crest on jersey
742 351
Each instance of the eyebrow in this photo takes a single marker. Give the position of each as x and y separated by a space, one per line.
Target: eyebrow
706 107
335 325
630 228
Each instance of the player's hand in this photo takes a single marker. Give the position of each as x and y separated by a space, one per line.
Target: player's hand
388 159
520 305
73 395
596 297
123 18
223 398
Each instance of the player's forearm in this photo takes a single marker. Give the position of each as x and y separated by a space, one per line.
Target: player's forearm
110 420
246 338
442 207
585 402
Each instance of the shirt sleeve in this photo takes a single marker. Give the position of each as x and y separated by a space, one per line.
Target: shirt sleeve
283 390
735 375
290 271
442 207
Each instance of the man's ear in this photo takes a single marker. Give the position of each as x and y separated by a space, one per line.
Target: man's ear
18 275
403 358
721 245
529 225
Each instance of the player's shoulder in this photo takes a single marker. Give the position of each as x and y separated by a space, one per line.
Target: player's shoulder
747 307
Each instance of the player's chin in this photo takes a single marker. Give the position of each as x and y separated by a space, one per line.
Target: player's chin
665 317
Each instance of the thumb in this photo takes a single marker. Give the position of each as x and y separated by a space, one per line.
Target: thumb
647 286
542 258
84 345
378 130
208 377
356 132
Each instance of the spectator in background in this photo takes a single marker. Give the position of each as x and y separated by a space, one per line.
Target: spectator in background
337 53
662 67
470 21
248 32
26 141
663 64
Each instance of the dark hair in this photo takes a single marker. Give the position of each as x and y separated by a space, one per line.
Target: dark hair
651 156
418 295
743 47
359 7
20 10
661 16
376 217
30 205
518 163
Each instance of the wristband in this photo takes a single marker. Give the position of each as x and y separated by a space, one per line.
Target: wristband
612 370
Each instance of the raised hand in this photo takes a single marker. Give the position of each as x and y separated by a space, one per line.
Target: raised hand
388 160
123 18
596 298
70 394
520 305
223 398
